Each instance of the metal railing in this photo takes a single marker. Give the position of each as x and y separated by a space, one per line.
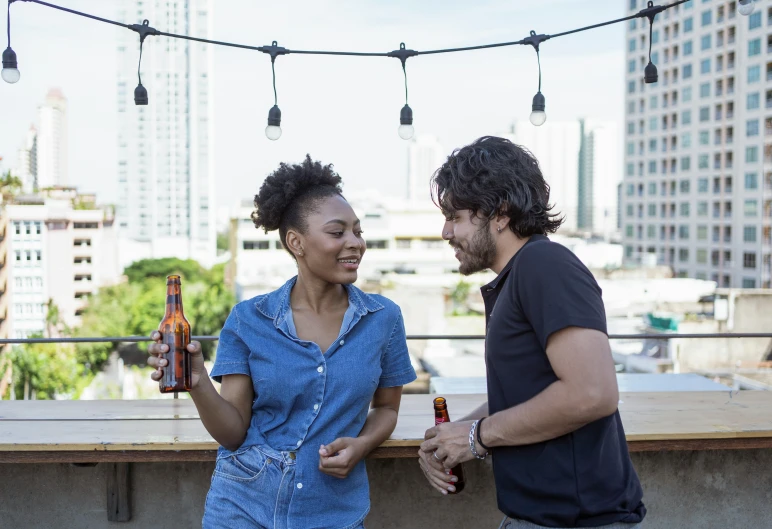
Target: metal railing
637 336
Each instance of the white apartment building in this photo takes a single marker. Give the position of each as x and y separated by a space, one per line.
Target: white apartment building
697 189
27 161
52 251
401 237
166 192
51 145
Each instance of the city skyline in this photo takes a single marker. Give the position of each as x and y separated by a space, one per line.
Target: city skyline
496 86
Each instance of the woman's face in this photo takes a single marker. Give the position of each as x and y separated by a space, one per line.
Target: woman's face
333 245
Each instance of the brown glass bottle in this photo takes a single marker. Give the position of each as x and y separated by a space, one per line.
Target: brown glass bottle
175 332
440 416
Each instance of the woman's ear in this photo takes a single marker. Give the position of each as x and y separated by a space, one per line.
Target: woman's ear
294 242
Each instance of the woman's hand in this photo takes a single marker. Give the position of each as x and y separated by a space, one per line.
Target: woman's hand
339 458
156 360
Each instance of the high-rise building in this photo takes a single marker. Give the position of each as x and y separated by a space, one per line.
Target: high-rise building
166 204
52 141
27 161
698 156
425 156
599 173
556 146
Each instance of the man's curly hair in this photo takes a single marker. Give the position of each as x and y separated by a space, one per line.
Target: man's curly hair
290 193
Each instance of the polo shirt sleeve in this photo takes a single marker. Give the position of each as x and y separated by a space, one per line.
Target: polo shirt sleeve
232 353
555 290
396 369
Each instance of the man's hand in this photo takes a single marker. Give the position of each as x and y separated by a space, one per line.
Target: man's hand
339 458
449 443
436 473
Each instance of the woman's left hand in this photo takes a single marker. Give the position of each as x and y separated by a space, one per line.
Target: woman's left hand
339 458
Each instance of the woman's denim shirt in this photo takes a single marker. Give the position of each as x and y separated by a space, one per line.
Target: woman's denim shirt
304 399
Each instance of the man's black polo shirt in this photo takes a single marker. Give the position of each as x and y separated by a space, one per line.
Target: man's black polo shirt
582 479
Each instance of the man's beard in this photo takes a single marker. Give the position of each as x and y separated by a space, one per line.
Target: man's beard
480 253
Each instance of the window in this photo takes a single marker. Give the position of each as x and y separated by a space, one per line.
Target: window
749 234
751 181
752 127
753 101
686 163
655 57
653 145
653 102
630 149
754 21
686 71
630 190
707 16
688 25
631 45
655 36
754 74
653 123
687 48
686 94
631 25
702 161
704 137
754 47
651 232
652 167
378 245
629 230
631 87
705 42
749 260
705 66
629 210
750 208
631 128
686 117
630 169
705 90
652 188
702 185
748 282
683 255
686 139
652 211
702 209
256 245
684 209
705 114
631 66
702 233
684 185
751 154
702 256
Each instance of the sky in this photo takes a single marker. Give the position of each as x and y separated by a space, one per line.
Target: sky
340 110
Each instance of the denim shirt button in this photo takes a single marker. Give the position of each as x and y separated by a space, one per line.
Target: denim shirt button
320 369
342 342
300 442
300 485
316 406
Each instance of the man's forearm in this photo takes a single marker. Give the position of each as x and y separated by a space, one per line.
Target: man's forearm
478 413
554 412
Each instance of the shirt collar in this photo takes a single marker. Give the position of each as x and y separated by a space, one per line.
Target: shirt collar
505 271
276 304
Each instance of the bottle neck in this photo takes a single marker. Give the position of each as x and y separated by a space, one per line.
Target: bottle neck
173 298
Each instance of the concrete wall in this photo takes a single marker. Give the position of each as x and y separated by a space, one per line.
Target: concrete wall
707 489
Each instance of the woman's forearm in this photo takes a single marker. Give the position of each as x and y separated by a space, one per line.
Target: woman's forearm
220 418
378 427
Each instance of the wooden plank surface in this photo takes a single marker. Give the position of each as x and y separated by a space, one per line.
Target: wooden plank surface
661 420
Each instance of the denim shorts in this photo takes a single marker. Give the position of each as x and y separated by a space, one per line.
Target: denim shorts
251 489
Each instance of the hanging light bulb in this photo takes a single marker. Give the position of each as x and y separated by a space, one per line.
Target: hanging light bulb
538 116
406 129
273 130
650 73
745 7
10 73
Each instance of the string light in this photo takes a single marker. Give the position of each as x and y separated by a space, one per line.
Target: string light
745 7
10 72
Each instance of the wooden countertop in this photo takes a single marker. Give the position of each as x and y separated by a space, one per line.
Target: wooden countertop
169 430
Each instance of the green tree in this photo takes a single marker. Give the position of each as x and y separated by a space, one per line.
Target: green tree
223 243
9 184
44 370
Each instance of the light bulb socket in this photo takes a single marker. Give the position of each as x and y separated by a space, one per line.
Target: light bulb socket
650 73
140 95
9 59
274 116
406 116
538 102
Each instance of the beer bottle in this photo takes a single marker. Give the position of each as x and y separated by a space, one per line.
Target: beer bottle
175 332
440 416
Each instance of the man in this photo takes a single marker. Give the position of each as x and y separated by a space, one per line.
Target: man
551 422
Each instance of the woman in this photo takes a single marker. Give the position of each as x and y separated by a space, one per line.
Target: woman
299 369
